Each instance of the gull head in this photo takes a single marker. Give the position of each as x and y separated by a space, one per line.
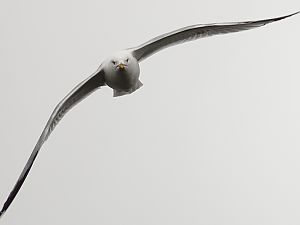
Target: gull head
121 71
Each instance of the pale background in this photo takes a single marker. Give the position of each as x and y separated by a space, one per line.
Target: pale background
211 138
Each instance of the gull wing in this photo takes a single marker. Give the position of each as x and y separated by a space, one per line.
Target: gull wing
194 32
81 91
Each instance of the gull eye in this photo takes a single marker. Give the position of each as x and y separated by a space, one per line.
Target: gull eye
127 60
113 62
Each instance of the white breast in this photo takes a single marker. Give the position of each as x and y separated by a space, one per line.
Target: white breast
122 80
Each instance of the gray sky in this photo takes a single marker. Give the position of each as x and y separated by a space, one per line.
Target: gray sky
211 138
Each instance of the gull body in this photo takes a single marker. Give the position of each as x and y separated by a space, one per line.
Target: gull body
121 73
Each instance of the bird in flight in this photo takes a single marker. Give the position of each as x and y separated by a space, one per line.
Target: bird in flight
121 73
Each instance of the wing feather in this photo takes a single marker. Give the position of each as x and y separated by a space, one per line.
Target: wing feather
190 33
80 92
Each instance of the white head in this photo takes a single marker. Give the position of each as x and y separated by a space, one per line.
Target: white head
121 71
121 61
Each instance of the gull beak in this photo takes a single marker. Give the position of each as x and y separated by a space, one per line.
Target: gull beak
121 66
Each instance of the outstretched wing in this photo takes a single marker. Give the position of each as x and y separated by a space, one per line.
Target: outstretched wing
81 91
194 32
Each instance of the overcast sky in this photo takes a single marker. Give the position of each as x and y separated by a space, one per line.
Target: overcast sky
211 138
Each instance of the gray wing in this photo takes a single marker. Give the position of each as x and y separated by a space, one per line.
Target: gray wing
81 91
194 32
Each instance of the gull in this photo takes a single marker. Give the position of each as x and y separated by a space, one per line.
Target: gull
121 73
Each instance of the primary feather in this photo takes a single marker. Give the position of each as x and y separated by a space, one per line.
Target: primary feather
194 32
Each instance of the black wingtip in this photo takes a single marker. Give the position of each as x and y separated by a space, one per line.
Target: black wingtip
1 213
283 17
278 18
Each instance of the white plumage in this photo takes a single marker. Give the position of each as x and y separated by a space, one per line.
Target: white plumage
121 72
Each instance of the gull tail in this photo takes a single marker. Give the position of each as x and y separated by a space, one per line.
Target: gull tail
121 93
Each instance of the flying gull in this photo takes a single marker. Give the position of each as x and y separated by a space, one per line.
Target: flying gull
121 72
